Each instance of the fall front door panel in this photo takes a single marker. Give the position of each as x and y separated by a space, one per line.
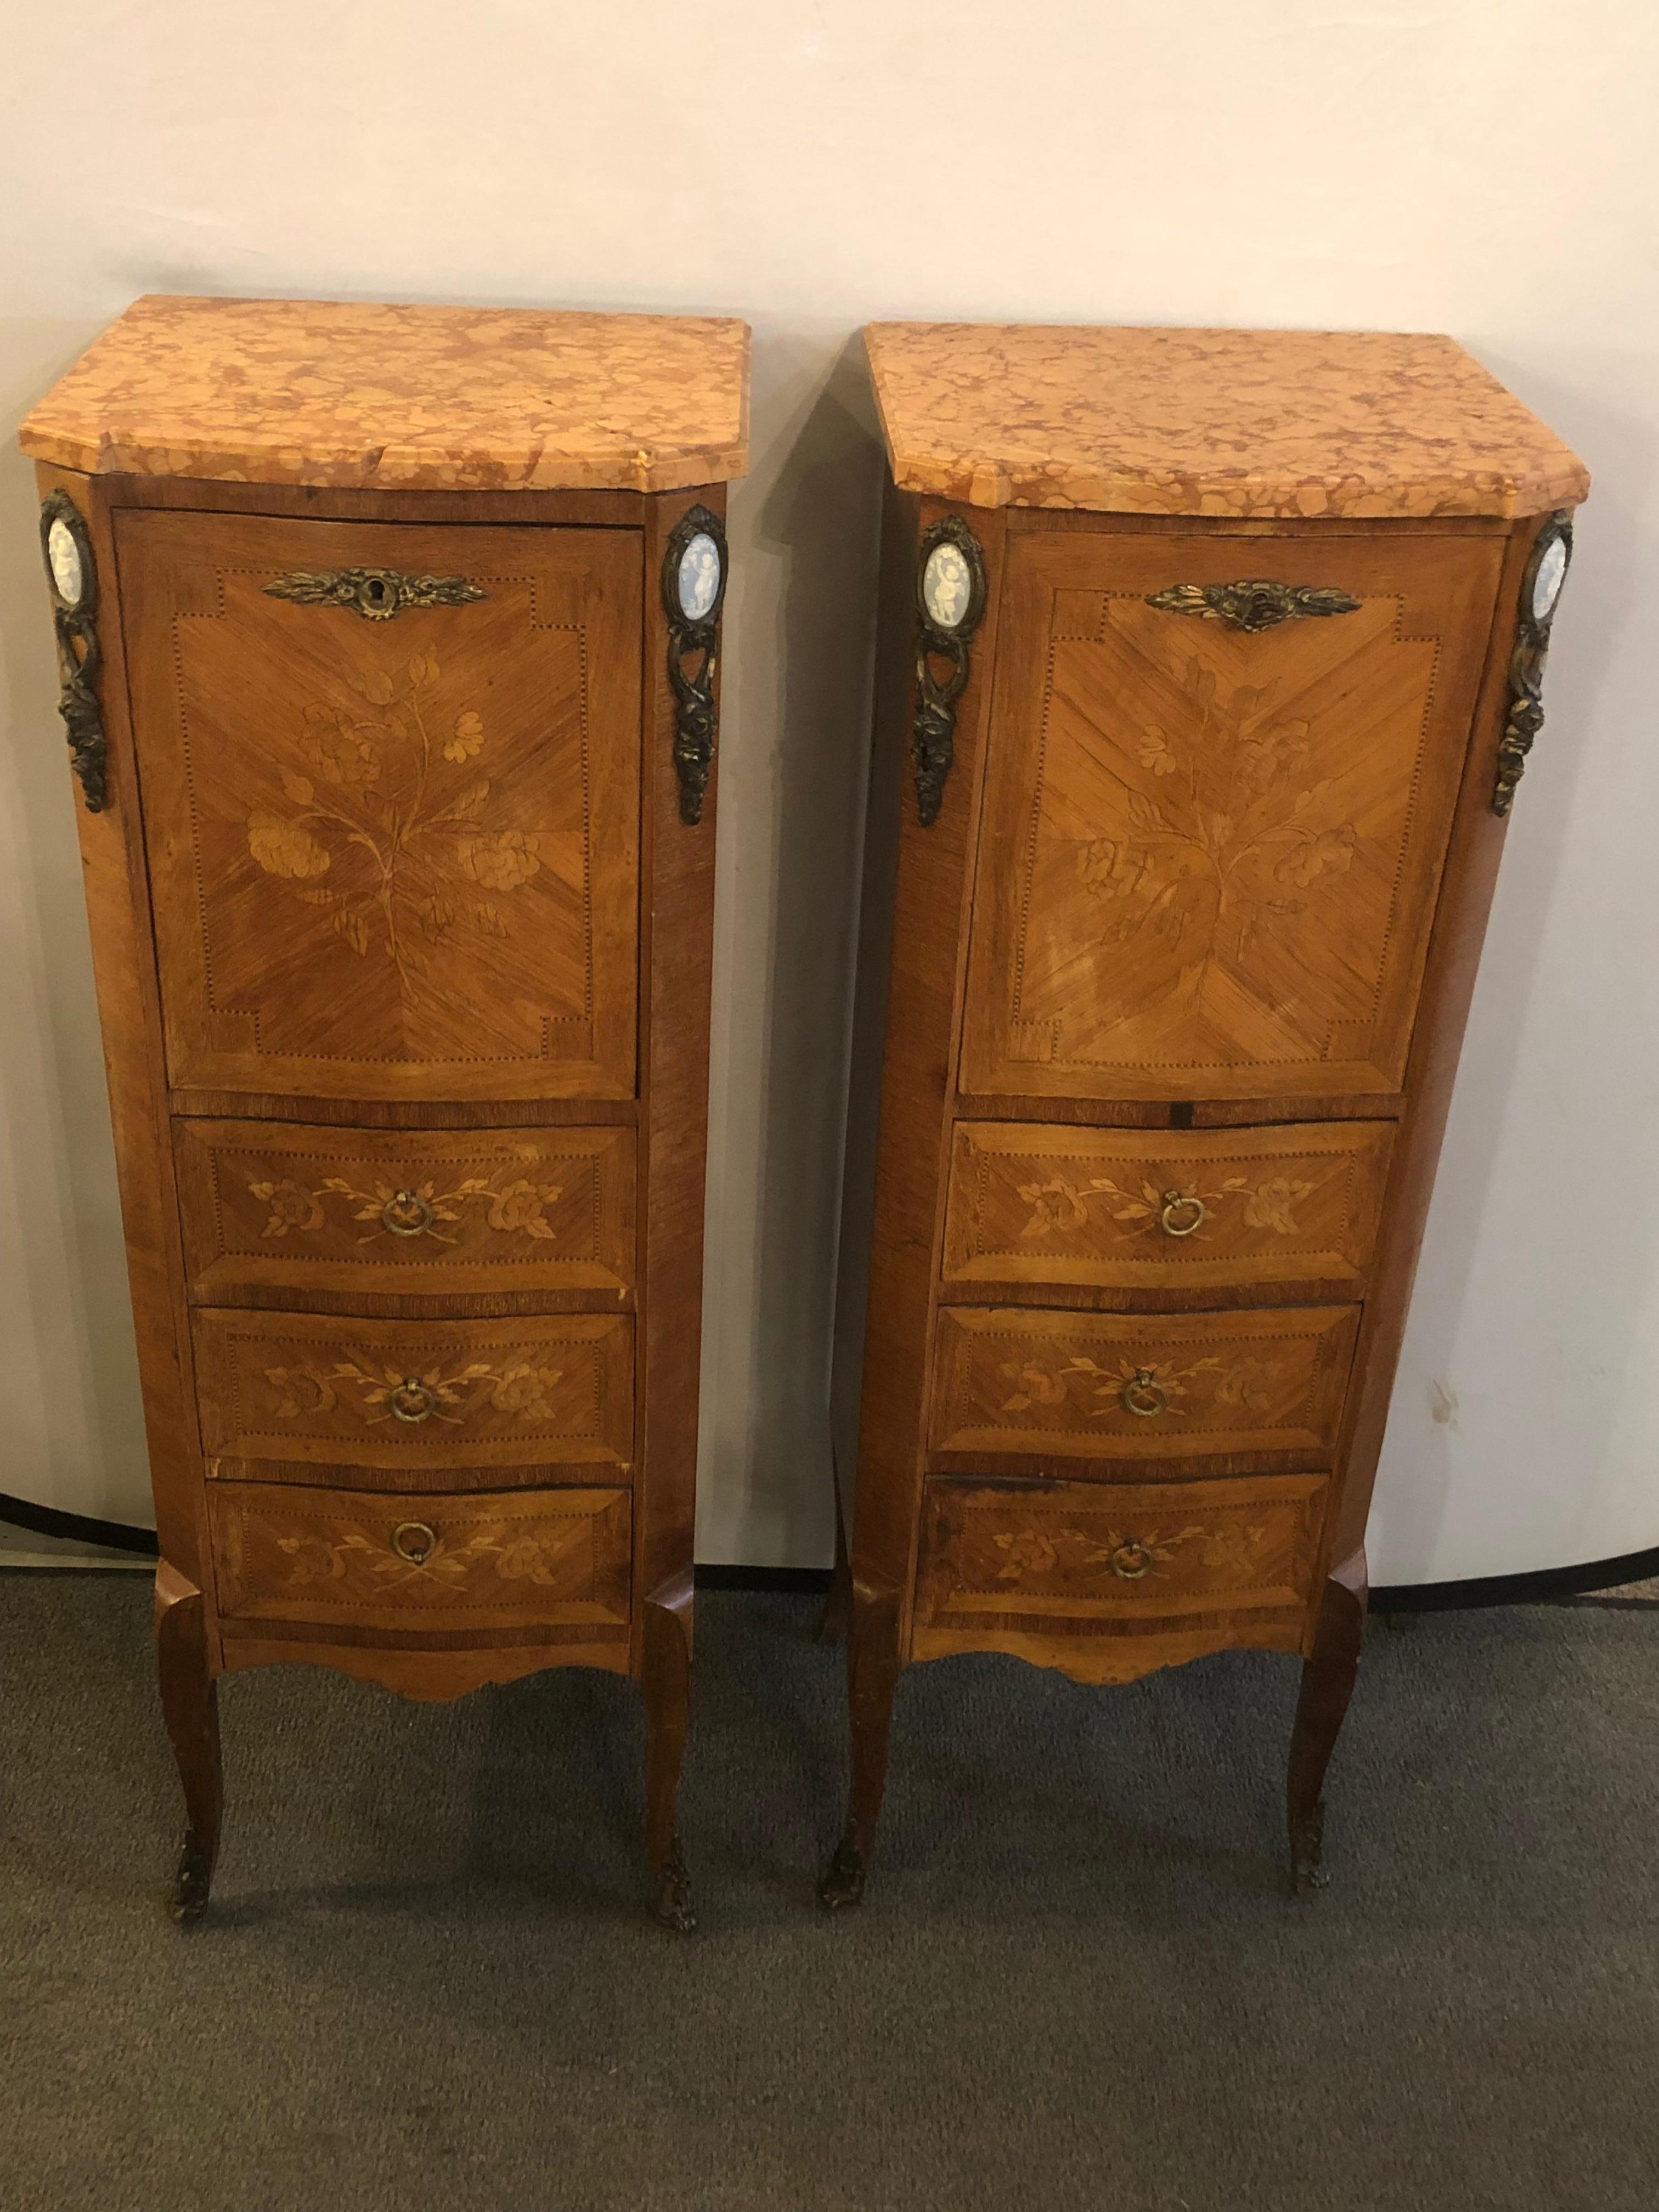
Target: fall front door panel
393 857
1223 844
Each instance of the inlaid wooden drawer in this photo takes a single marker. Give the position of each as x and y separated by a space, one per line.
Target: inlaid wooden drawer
1164 1212
1026 1383
273 1210
1171 1568
418 1394
335 1558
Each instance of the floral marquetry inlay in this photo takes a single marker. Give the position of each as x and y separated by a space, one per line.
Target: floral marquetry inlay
418 857
1180 1209
1147 1387
1145 1550
390 1392
519 1207
510 1554
1206 862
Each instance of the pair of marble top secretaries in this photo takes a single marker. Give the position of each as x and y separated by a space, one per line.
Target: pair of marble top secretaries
387 640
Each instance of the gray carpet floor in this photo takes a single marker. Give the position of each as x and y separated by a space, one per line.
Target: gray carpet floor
1078 1980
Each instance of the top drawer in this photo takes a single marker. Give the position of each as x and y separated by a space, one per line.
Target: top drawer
393 842
1289 1211
274 1209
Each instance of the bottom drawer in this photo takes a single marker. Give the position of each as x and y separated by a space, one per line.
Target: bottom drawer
1110 1583
340 1562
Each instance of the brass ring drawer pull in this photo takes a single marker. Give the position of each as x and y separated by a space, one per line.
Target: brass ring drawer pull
1131 1560
406 1214
410 1399
415 1542
1141 1394
1175 1201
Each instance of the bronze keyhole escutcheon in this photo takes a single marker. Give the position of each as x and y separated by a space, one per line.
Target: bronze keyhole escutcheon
1181 1202
415 1542
1142 1395
406 1214
411 1400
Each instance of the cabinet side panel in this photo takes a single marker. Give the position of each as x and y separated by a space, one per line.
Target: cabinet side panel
924 999
676 927
1458 931
123 967
893 646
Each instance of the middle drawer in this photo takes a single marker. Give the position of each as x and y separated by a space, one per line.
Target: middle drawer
543 1389
1261 1386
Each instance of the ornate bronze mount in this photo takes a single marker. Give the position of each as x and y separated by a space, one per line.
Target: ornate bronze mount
73 575
842 1884
670 1893
1307 1848
950 604
1540 593
188 1898
1131 1560
1253 605
375 593
693 592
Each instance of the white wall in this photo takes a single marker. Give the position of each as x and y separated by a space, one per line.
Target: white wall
1481 167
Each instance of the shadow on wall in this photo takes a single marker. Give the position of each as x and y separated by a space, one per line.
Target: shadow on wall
815 527
69 1410
1501 1196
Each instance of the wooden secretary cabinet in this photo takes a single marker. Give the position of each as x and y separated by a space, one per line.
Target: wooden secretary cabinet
1209 663
387 640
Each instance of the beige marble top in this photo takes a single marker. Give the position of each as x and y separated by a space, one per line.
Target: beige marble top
317 392
1223 422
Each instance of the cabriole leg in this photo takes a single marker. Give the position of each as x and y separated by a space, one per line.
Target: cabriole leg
1328 1678
872 1670
189 1707
667 1682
